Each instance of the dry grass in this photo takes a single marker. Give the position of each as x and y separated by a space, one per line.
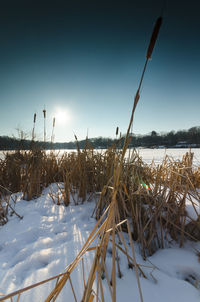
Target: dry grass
153 197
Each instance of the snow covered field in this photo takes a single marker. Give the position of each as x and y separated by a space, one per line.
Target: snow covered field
158 154
49 237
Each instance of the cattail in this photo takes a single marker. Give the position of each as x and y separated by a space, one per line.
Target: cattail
148 56
77 144
52 136
154 38
117 130
34 121
44 113
137 97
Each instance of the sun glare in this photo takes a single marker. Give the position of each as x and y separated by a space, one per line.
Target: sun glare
62 116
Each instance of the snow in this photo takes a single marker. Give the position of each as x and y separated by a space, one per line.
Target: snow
176 153
192 208
49 237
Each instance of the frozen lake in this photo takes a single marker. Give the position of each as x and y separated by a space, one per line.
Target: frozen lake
158 154
151 154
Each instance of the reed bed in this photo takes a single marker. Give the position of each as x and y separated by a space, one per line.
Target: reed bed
149 195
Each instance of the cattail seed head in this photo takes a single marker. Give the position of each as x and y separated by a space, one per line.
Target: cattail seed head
54 121
34 119
154 37
137 96
44 112
117 130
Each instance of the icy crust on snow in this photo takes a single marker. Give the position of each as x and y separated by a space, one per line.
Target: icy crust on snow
49 237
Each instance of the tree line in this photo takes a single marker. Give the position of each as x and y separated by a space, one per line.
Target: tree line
181 138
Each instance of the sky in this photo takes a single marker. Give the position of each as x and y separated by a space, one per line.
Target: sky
82 60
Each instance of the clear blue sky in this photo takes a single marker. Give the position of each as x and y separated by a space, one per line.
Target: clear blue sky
84 59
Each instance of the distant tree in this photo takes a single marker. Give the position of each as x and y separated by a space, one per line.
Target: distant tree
170 138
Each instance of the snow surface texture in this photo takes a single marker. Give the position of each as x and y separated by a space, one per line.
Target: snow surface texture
49 237
158 154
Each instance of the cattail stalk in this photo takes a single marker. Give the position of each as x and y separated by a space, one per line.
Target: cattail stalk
117 131
44 113
52 135
151 45
77 144
33 131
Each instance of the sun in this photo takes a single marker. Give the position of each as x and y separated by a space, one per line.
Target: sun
62 116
